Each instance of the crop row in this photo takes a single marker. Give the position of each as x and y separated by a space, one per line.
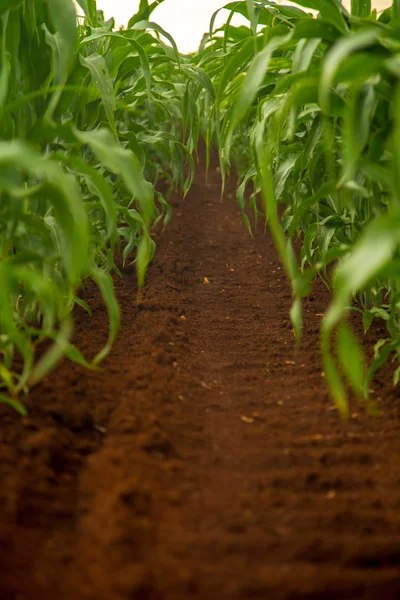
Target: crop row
309 110
91 121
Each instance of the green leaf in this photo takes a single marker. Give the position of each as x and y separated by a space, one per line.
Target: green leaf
315 29
143 258
341 50
361 8
383 349
396 13
9 5
52 357
65 200
251 85
106 286
144 25
296 318
63 43
90 10
102 190
123 162
102 80
234 64
351 358
369 255
247 223
144 12
333 379
252 16
330 10
358 118
201 78
5 63
396 376
15 404
304 53
144 60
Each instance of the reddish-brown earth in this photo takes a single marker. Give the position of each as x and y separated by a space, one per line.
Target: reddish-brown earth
206 461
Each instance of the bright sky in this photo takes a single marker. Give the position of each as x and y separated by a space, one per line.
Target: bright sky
185 20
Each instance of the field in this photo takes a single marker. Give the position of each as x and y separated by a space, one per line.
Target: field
199 305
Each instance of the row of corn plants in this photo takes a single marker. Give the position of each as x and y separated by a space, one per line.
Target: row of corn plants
306 104
91 120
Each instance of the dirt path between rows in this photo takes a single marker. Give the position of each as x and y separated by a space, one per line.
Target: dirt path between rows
206 461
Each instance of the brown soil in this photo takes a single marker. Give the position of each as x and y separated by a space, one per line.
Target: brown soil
206 461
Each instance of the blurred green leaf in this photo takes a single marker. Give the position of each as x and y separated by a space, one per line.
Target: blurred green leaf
106 286
63 43
102 80
351 358
15 404
123 162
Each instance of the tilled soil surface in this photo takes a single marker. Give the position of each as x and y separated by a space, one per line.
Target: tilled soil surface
206 461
